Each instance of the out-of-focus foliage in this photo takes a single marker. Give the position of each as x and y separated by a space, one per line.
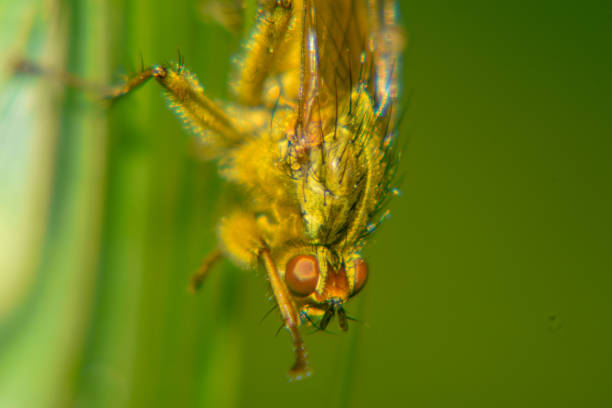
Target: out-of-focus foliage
490 283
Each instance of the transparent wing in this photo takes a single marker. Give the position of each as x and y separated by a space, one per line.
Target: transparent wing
342 30
345 44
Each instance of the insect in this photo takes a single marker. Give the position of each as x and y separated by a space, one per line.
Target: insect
309 139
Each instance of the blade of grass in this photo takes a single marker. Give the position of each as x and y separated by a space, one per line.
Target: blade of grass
40 353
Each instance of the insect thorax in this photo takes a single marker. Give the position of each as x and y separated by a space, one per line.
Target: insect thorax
321 193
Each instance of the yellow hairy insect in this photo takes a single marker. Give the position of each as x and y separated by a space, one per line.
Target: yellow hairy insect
308 139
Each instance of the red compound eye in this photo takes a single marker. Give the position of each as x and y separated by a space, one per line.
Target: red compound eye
302 274
361 275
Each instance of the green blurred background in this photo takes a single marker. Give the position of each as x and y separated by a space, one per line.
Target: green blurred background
491 284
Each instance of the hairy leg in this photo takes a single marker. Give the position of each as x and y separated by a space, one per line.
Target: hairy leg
200 115
263 50
241 240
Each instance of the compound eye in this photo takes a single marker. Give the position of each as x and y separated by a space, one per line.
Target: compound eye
302 274
361 275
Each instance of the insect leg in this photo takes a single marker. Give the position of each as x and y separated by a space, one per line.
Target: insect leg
130 84
240 238
263 49
27 67
199 114
290 317
202 272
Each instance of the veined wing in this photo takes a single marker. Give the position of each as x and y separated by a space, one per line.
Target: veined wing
340 146
345 43
340 31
